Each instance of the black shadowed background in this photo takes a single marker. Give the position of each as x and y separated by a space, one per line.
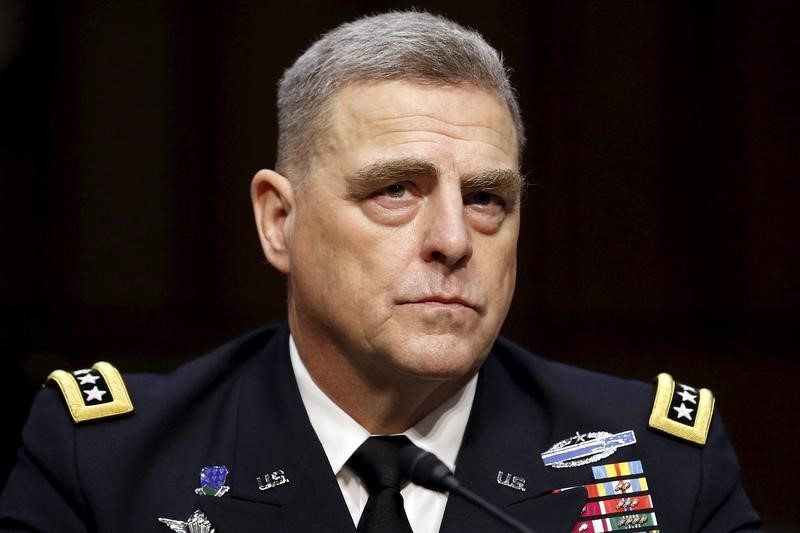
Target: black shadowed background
660 234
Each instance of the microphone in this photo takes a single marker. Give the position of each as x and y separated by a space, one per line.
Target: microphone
426 470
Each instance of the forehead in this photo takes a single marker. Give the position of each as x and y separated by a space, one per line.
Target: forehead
456 124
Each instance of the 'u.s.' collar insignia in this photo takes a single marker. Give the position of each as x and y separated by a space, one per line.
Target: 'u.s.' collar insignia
93 393
585 448
681 410
212 481
509 480
197 523
269 481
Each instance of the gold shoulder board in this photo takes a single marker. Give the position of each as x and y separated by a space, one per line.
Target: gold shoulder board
93 393
681 410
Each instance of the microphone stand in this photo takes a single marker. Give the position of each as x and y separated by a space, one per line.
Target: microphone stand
427 470
491 509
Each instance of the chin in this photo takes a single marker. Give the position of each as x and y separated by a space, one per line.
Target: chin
440 357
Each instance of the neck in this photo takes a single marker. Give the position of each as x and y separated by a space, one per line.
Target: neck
383 402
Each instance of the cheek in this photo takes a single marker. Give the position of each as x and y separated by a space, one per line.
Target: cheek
511 271
311 248
499 270
345 255
499 253
382 251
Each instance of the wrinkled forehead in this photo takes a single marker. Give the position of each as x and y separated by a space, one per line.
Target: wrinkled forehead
397 112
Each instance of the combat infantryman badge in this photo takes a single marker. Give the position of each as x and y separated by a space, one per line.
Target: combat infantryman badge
585 448
197 523
212 481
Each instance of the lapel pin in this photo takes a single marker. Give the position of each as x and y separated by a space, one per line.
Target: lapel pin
585 448
197 523
269 481
212 481
508 480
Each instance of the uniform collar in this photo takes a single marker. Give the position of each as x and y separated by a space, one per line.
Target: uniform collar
440 432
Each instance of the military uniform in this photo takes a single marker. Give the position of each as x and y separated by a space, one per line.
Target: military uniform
239 408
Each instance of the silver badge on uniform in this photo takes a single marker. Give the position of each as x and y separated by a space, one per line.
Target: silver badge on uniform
269 481
197 523
509 480
585 448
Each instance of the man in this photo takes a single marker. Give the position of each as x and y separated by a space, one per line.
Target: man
394 212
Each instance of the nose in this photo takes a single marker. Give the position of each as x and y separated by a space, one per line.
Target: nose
448 239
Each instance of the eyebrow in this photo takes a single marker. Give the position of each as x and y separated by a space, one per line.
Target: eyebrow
367 179
387 171
502 180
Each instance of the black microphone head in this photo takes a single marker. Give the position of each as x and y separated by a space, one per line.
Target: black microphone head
425 469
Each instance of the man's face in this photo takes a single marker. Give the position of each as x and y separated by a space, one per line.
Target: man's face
403 241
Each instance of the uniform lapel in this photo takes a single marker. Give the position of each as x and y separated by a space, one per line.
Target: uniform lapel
506 432
273 433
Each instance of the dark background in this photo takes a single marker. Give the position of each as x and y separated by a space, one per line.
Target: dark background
661 234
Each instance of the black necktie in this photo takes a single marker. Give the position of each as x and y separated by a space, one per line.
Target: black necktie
375 462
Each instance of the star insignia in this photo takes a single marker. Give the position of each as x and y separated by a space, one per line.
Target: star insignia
94 394
684 412
687 396
681 411
88 378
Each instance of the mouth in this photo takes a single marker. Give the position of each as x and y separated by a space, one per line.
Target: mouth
450 302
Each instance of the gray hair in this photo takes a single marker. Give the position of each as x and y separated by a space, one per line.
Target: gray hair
409 45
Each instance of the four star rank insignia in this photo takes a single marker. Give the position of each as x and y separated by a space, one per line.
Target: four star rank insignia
93 393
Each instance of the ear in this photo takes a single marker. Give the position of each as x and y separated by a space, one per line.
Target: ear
273 206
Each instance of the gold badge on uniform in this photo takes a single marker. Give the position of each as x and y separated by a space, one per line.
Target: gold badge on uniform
93 393
681 410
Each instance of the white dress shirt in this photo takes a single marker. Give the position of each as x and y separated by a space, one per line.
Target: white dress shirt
440 433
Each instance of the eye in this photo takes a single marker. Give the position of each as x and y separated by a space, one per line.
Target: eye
397 195
484 199
395 190
393 203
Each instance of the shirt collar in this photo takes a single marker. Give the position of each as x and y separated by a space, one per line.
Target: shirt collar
440 432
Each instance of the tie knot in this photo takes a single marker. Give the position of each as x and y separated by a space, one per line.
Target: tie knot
376 462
